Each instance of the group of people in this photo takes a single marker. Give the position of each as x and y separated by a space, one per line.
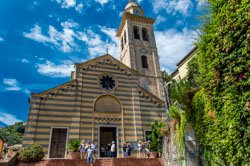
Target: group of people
126 149
88 151
109 150
143 149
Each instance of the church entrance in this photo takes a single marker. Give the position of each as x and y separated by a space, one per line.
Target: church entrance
106 136
58 143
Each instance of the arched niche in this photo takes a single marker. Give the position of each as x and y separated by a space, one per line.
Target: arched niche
107 104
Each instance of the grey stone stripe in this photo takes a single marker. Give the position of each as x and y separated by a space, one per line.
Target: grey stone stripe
98 72
49 127
121 79
61 116
98 88
63 121
83 106
90 102
61 109
82 117
90 92
48 133
89 112
36 139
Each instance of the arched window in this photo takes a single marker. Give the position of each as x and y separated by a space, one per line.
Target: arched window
136 33
107 104
122 43
145 34
125 38
144 61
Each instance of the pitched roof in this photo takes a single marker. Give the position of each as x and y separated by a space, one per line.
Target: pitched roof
186 56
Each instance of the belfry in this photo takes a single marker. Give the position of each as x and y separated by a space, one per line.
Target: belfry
107 99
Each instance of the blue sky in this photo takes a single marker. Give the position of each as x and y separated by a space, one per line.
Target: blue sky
40 40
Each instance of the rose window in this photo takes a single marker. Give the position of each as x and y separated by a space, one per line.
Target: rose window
107 82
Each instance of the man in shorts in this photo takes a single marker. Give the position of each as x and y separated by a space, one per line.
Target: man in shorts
90 155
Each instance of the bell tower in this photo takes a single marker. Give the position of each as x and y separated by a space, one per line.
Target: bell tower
138 47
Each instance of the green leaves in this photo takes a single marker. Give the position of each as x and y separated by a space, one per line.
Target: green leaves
13 134
73 145
32 153
219 116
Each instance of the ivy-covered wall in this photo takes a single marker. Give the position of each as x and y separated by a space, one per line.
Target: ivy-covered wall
221 108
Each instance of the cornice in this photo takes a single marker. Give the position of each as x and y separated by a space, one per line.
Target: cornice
133 17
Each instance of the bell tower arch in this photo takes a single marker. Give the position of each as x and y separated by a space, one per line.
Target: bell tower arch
138 47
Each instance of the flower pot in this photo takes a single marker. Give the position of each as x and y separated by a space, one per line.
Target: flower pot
74 155
154 154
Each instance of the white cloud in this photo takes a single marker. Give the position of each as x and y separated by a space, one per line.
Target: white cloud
24 60
11 84
96 46
79 7
52 70
160 19
173 45
201 4
172 6
64 40
69 24
70 4
1 39
8 119
102 2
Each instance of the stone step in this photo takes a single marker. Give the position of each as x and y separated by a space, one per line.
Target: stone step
98 162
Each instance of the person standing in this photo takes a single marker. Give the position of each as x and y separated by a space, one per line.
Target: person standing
140 149
102 151
129 149
93 147
90 155
109 150
82 150
124 148
113 149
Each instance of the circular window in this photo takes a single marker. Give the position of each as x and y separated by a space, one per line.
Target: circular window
107 82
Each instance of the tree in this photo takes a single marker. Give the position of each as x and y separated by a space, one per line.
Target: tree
13 134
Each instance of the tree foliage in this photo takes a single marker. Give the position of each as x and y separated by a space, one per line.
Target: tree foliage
156 136
13 134
221 115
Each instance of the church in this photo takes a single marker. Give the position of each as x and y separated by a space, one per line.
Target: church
106 99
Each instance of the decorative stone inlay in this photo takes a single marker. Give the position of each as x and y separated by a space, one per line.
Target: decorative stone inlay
107 117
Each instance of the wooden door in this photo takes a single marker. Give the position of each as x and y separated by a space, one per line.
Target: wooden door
58 143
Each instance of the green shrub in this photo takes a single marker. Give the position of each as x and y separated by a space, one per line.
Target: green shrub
31 153
156 136
73 145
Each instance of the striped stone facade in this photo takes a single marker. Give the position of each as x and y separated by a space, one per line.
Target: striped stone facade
72 106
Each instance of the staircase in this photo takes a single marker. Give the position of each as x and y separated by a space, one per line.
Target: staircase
98 162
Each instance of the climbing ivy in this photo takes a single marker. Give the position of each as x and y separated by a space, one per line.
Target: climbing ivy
220 109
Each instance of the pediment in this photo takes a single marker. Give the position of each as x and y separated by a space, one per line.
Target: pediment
105 59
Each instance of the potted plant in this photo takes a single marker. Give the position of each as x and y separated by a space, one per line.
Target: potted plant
156 138
73 147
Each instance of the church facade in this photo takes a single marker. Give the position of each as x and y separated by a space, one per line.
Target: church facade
106 99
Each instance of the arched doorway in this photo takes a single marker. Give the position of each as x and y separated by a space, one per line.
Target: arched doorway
109 107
